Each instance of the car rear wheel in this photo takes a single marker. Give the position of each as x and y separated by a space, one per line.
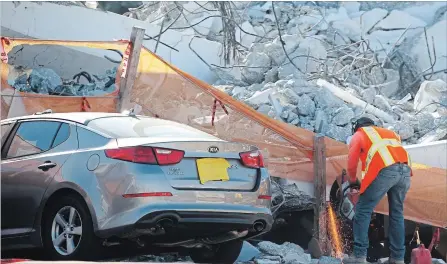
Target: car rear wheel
68 230
225 253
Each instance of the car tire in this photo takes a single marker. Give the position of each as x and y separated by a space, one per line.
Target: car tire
73 234
225 253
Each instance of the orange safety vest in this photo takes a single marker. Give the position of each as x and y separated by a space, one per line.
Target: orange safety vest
383 148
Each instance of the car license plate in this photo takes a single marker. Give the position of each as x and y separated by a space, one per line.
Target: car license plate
212 169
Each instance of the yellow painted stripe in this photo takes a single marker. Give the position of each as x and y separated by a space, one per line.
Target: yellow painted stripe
419 166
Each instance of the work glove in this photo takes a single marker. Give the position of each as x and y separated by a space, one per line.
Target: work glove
355 183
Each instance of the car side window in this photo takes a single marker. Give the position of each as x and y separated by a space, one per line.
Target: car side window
62 135
89 139
33 137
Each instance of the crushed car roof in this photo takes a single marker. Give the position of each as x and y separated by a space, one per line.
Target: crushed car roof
78 117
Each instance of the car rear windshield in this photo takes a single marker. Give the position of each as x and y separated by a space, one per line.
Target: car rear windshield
134 127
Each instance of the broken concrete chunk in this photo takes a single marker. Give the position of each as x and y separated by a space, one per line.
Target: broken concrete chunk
337 14
377 76
391 85
428 95
237 90
275 258
308 47
299 86
22 79
275 51
288 71
288 96
268 86
272 113
295 121
441 122
271 75
425 122
351 7
382 103
291 117
279 250
44 80
399 20
405 116
404 130
248 252
245 39
295 258
370 18
442 109
434 135
343 116
349 28
267 261
290 108
326 99
270 248
257 64
369 95
264 108
255 87
260 97
305 119
338 133
329 260
305 105
285 114
419 50
438 261
321 121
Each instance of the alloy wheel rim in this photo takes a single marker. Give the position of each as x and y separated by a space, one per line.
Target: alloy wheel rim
66 230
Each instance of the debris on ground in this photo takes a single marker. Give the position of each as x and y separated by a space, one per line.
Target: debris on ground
264 252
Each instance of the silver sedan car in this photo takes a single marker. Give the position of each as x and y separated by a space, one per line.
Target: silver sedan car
74 182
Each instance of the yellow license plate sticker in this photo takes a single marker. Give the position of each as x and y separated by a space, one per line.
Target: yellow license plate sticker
212 169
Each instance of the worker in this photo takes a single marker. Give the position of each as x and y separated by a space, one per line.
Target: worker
386 170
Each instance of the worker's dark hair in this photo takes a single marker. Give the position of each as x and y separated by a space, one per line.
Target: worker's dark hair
362 122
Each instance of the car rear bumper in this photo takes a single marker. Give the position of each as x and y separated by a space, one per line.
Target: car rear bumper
172 226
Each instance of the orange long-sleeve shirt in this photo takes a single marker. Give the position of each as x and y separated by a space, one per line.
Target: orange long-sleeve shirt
356 146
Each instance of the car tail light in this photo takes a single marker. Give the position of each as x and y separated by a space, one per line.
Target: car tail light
168 156
252 159
264 197
146 155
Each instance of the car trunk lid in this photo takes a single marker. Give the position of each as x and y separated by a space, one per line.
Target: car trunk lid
206 164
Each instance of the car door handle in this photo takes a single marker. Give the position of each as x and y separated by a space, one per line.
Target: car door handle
46 166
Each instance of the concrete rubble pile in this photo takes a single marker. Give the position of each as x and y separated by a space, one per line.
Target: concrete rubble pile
376 52
47 81
382 58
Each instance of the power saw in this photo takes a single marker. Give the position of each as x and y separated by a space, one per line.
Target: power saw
348 196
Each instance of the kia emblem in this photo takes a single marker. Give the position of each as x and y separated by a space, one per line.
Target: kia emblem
213 149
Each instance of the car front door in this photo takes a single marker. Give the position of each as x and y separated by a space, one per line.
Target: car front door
32 155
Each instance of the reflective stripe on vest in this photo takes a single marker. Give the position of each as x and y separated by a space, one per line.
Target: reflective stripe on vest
379 145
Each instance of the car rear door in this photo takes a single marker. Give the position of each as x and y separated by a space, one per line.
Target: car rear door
31 156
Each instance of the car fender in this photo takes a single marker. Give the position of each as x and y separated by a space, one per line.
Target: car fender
52 189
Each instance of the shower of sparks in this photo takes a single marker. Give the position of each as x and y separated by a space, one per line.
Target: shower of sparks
335 233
